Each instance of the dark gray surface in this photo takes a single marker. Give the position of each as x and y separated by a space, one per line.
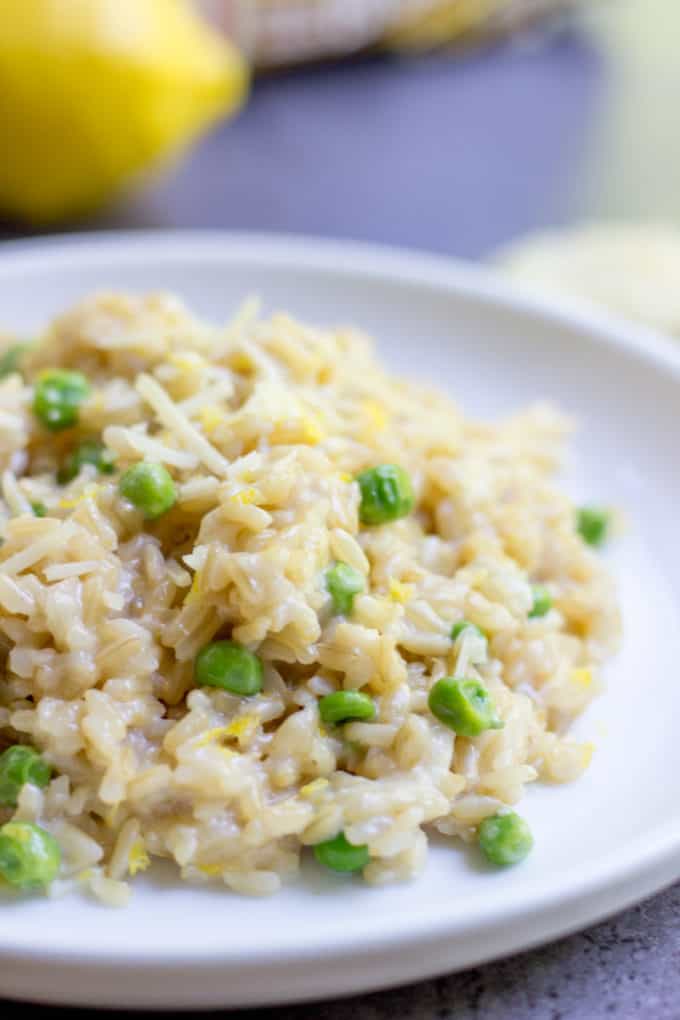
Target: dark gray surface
447 155
454 156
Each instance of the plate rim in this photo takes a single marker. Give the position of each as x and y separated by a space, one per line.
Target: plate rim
647 863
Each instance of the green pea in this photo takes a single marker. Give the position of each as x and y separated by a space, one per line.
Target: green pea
542 602
20 765
90 451
11 359
39 509
462 625
29 856
149 487
340 855
505 839
57 397
464 706
229 666
386 494
343 583
592 524
341 706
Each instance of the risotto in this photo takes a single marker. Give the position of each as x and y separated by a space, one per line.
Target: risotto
258 598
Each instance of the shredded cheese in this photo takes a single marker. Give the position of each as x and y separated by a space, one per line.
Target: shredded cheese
60 571
135 442
25 558
174 419
13 496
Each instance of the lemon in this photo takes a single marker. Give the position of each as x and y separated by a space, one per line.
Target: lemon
93 91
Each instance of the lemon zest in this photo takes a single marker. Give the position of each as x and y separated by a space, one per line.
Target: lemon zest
309 789
400 592
212 736
587 751
245 497
138 858
345 476
193 590
306 430
479 575
88 493
211 416
312 431
243 726
111 816
582 677
280 433
186 362
241 362
376 414
211 869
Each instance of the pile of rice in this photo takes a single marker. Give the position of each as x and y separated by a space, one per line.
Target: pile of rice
264 426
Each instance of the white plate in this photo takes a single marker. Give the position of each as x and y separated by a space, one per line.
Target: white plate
601 843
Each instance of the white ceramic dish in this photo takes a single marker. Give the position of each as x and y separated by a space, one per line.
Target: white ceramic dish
601 843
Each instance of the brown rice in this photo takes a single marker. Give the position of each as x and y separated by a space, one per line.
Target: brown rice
264 426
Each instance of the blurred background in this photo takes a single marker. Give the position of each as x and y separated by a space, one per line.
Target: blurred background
450 125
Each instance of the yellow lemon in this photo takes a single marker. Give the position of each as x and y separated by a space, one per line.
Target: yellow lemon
92 91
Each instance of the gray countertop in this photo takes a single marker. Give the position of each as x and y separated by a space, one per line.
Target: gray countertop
455 156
